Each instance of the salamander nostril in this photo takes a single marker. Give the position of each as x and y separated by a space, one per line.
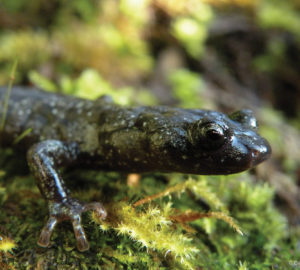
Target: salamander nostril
260 154
255 153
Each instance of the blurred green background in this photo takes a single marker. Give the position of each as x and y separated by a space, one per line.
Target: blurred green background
222 55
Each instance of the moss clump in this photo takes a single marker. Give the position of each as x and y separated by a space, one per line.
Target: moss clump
160 234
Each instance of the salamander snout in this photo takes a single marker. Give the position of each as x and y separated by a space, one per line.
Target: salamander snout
258 149
259 152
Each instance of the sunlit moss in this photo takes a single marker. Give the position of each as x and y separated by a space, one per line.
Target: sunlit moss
110 43
136 10
91 85
243 266
32 13
191 34
128 230
151 229
23 45
197 9
279 14
189 88
190 24
238 3
30 48
105 49
252 205
42 82
6 244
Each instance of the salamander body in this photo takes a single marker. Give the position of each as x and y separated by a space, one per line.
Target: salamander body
66 131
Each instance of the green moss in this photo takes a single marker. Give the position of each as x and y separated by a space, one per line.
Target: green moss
191 28
273 58
22 45
91 85
188 88
279 14
79 36
142 237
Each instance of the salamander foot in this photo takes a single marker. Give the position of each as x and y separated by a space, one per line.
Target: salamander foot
69 209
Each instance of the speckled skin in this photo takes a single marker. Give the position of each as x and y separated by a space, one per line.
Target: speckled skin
100 134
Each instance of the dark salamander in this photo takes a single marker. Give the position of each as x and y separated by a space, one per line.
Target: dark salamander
67 131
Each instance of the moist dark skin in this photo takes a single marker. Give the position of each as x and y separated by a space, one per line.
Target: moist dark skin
68 131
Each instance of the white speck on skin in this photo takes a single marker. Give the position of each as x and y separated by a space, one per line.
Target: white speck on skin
54 111
52 103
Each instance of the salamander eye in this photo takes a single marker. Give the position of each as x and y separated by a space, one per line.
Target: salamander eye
213 132
207 135
212 135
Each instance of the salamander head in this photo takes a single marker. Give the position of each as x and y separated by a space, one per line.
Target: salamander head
207 142
223 144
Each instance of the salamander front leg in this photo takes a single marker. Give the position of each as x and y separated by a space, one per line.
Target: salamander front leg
44 160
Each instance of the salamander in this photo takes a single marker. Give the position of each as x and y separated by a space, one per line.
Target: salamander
70 131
